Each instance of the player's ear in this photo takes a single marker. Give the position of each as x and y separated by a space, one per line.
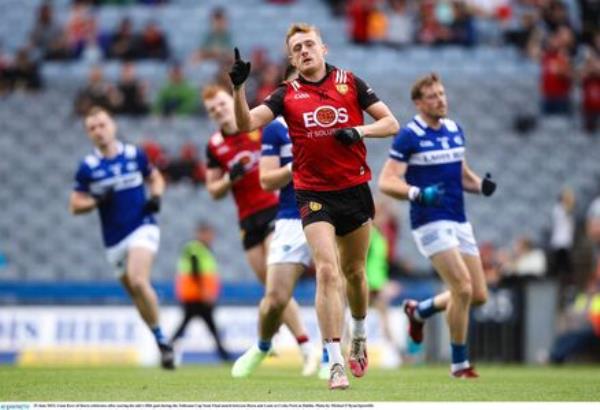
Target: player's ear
325 49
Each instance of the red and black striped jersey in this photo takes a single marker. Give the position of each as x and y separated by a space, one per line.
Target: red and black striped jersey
313 111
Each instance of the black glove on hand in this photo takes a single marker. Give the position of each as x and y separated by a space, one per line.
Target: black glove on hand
487 185
152 205
239 71
236 171
347 136
104 198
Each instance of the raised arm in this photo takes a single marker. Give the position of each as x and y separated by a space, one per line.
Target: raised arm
246 119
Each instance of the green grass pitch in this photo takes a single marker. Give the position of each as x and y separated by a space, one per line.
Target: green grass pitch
213 383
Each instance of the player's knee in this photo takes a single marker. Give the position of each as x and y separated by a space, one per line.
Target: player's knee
137 283
354 273
463 291
327 275
479 297
276 300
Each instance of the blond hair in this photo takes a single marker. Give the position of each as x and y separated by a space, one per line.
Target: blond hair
296 28
416 91
94 110
210 91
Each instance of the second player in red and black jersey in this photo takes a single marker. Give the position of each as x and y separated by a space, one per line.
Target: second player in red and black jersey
324 111
232 158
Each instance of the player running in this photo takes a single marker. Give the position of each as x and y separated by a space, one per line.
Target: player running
427 166
112 180
233 158
324 111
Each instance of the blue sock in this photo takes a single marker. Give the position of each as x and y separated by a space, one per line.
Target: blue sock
325 357
426 308
264 345
459 353
158 335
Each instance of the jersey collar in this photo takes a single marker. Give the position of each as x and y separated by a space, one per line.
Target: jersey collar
328 70
421 122
120 148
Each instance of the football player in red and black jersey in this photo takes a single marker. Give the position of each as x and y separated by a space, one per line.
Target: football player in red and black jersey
233 159
324 108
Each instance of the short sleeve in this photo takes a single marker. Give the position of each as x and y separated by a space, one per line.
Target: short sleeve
211 159
402 146
82 179
273 136
461 131
366 95
275 100
144 164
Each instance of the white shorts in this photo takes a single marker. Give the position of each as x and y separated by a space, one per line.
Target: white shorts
288 244
146 236
439 236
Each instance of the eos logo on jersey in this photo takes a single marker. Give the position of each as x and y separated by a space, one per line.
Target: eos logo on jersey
325 116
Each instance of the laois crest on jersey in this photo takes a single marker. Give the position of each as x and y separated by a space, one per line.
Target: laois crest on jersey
276 142
433 156
124 175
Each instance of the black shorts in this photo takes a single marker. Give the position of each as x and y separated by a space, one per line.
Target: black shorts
256 227
347 209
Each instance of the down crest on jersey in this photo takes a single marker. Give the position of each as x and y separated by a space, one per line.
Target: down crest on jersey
313 112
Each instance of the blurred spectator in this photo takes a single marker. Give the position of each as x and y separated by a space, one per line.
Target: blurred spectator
132 93
430 30
556 15
96 92
589 11
462 29
22 73
400 24
527 37
156 154
188 167
80 26
177 96
217 43
47 37
377 27
359 12
590 83
336 7
524 260
563 237
124 42
557 74
153 42
581 324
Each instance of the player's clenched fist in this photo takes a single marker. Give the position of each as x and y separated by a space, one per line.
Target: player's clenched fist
240 70
347 136
488 186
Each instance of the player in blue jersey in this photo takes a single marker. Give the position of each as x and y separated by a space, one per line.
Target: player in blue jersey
289 254
112 179
427 166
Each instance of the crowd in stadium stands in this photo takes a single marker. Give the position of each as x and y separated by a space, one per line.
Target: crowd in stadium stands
186 166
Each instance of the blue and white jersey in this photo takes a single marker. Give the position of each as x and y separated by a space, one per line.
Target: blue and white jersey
124 174
433 156
276 141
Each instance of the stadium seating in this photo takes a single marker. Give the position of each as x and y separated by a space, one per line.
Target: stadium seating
42 141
